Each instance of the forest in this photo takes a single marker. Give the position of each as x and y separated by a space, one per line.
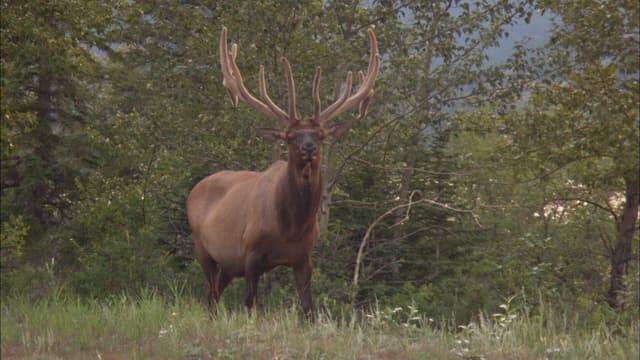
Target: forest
475 180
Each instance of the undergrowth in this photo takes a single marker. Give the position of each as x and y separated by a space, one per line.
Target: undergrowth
150 326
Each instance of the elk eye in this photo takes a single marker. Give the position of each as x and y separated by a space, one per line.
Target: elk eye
300 138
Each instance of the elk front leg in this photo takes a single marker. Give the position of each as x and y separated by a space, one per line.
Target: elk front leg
252 291
302 273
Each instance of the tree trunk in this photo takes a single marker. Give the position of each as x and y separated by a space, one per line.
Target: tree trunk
622 254
39 188
327 189
328 168
405 186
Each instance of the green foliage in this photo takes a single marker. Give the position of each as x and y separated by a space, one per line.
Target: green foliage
18 276
12 240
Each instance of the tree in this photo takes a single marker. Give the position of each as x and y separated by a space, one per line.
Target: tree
49 64
578 130
600 94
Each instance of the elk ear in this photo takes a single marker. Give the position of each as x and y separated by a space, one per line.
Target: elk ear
272 135
333 133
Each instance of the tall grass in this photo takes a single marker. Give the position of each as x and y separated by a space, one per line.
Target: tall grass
150 326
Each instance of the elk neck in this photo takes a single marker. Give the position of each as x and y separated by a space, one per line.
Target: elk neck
301 193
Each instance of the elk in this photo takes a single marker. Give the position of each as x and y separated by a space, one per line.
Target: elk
246 223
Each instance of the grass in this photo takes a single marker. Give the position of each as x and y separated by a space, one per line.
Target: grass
150 327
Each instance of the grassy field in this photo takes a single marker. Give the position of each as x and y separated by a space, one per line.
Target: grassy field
151 327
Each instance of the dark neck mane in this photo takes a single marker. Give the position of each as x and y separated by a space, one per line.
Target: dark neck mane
300 192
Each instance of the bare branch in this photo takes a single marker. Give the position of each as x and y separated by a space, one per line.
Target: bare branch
590 202
367 235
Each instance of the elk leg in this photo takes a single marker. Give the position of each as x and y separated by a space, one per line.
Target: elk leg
253 268
302 273
210 269
221 283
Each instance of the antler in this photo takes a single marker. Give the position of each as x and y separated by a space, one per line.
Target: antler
362 97
232 81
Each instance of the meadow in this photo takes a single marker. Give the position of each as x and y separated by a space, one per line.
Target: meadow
154 327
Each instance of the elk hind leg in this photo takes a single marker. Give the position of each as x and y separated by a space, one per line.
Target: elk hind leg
211 271
222 282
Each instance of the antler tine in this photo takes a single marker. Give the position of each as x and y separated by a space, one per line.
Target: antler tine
224 63
265 97
362 97
328 112
232 81
293 116
316 93
364 104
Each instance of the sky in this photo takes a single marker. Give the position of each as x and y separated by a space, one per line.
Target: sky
536 33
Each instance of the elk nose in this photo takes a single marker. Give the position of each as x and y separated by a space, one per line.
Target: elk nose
309 147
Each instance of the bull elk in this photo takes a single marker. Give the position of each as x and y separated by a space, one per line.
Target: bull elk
245 223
